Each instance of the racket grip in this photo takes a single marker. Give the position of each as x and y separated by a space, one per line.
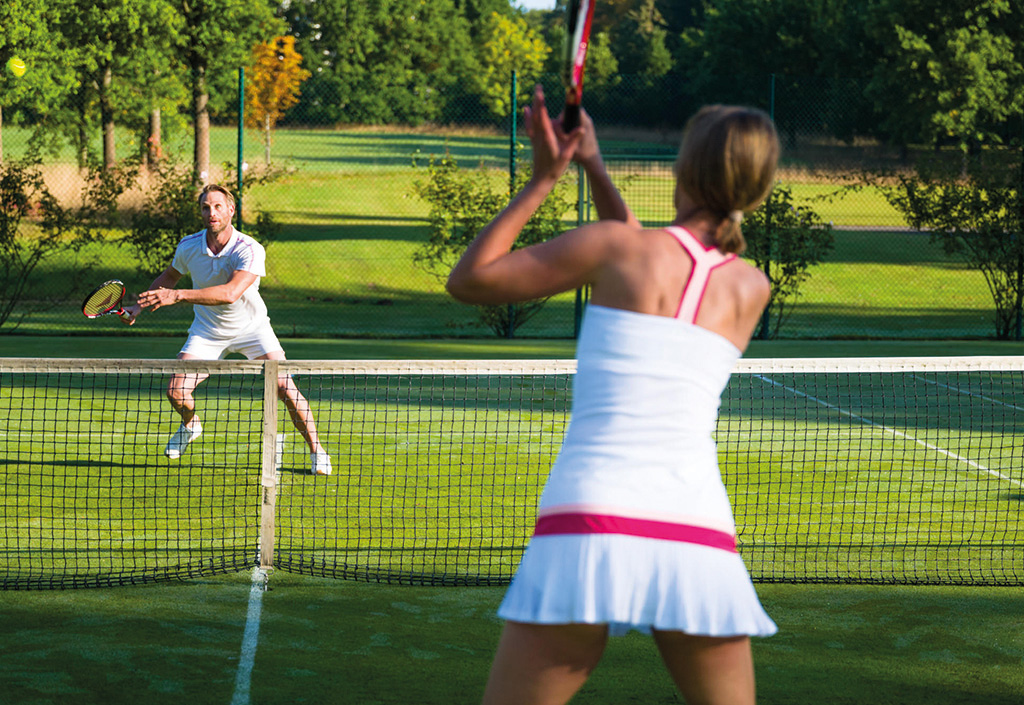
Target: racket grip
125 315
571 117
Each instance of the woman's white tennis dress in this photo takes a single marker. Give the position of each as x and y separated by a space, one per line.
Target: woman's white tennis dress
634 528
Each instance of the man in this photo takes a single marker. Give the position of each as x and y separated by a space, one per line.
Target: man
225 266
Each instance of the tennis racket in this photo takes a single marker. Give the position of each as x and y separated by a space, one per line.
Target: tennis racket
579 15
106 299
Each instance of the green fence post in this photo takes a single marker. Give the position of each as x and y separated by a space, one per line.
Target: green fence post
512 141
766 318
511 333
1020 238
241 139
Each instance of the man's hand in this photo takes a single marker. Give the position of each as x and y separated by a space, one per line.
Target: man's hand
157 298
133 311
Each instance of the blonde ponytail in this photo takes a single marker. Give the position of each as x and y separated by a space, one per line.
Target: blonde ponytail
726 165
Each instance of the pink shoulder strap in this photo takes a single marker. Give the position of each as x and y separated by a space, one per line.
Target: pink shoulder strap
705 260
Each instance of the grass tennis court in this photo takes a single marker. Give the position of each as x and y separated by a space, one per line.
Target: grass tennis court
324 640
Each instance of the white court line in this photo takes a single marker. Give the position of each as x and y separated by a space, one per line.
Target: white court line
970 394
894 432
250 637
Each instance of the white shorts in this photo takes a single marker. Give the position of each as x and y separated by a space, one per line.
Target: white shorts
261 340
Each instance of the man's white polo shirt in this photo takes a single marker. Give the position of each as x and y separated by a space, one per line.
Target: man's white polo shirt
194 258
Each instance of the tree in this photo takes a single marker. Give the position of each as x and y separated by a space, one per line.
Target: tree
639 41
979 219
26 26
602 67
507 44
799 38
812 47
275 76
103 35
379 62
948 73
478 13
461 204
785 242
152 95
215 40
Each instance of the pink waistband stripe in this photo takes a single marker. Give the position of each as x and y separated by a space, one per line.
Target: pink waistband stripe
555 524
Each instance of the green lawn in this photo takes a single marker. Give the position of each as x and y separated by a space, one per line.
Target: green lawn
343 265
365 644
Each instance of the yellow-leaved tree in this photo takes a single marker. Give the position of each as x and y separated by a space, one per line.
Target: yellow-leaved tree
507 44
274 79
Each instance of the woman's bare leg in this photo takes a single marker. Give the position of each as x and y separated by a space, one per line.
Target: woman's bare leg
709 670
540 664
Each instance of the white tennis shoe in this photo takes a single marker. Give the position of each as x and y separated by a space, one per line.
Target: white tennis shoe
320 463
181 438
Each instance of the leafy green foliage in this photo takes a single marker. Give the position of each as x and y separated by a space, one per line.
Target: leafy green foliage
947 73
215 40
508 44
785 242
979 219
169 213
461 204
379 62
33 227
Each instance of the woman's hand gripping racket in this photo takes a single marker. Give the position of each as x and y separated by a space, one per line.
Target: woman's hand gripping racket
106 299
579 15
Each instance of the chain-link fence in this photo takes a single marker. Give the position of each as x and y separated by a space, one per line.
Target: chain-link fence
343 263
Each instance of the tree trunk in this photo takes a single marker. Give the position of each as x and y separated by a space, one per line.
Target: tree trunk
107 117
1 135
154 150
83 145
201 126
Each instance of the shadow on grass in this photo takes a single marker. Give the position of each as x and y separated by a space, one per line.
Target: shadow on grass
492 142
884 247
12 463
397 161
374 229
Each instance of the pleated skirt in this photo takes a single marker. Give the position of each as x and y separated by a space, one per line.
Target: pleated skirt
635 583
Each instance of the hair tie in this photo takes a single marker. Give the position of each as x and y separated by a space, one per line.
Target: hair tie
736 216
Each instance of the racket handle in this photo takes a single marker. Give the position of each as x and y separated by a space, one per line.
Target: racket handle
570 118
125 315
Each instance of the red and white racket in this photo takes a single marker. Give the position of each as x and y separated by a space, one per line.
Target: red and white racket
106 299
579 15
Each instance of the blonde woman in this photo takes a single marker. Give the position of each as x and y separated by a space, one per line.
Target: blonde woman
634 529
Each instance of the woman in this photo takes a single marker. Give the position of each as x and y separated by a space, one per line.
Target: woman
635 530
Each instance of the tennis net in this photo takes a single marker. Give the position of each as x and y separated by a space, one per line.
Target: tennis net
840 470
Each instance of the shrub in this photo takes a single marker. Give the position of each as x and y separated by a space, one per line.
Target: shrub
785 242
461 204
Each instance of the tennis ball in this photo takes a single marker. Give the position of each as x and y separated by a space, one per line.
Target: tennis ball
16 66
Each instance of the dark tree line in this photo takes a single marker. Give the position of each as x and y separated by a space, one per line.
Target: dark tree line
901 71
